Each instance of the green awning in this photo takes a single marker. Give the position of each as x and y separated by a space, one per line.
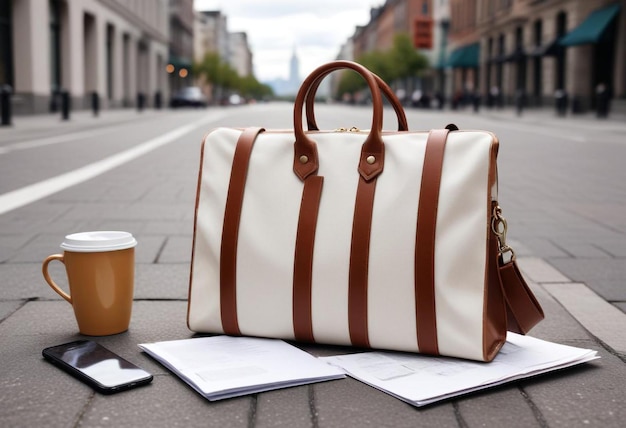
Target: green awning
465 56
593 28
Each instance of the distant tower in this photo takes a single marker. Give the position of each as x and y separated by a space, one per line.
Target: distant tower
294 71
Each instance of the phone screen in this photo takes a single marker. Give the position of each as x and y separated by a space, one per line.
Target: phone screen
96 365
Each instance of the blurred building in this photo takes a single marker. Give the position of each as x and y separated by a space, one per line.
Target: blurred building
543 48
416 18
533 51
290 86
501 52
412 17
210 34
240 57
463 50
441 30
181 44
112 48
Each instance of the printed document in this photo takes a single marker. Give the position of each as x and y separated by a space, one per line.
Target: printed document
421 380
221 367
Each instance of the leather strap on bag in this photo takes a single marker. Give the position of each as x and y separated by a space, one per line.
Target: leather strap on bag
303 259
425 312
359 262
230 230
386 90
306 160
370 166
523 311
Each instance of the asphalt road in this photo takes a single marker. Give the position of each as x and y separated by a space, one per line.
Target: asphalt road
562 182
562 188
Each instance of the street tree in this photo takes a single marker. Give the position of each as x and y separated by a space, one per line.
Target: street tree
397 66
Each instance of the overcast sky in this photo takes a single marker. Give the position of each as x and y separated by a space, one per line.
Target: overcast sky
315 28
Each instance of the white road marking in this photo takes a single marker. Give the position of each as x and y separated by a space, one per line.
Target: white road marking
28 194
31 144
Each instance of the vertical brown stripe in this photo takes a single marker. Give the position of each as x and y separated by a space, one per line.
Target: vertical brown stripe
425 243
359 261
230 231
303 259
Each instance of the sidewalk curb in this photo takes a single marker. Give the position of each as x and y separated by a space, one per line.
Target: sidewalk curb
597 316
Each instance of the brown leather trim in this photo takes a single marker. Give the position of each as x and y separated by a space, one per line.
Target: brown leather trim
195 224
425 243
303 259
359 262
306 160
230 230
522 308
494 317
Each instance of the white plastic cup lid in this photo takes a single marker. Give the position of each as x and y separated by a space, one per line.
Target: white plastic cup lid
91 242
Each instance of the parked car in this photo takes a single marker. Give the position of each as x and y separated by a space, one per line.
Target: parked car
190 96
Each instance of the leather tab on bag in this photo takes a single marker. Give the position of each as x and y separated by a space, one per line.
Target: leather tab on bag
522 308
305 160
371 163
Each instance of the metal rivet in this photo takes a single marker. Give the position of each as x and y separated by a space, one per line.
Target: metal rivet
304 159
370 159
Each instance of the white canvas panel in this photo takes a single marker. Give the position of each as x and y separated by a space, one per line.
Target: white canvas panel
391 290
267 237
461 244
204 298
339 156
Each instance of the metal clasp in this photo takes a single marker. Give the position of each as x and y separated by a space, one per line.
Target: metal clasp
499 228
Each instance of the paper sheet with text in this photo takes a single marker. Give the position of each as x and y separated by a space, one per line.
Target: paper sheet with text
420 380
221 367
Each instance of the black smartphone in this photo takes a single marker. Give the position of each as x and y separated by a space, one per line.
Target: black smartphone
97 366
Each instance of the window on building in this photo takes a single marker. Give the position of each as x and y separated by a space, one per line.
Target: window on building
6 56
519 38
561 29
55 45
537 71
110 49
537 30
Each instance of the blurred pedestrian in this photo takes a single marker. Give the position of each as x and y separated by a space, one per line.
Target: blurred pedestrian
602 101
476 101
440 100
494 95
560 99
520 100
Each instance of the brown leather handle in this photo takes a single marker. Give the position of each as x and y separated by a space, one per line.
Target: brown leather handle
387 92
306 161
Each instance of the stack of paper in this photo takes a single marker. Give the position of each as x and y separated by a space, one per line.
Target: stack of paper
222 366
421 380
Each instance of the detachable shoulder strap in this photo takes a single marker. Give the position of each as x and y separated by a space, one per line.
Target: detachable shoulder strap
523 311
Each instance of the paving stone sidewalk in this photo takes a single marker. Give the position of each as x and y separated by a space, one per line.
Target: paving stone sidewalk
155 206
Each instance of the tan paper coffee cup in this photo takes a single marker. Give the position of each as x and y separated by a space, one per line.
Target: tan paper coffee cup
100 269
